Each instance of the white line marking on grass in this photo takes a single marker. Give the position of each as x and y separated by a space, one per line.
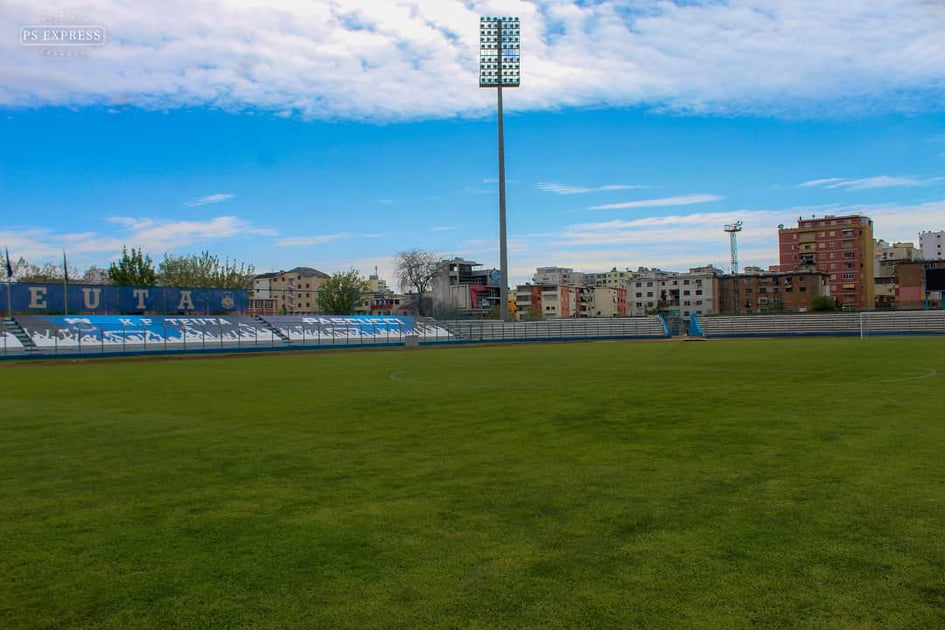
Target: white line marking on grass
928 374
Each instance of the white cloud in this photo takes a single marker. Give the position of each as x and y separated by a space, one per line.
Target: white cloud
869 183
306 241
153 236
202 201
563 189
418 58
682 200
827 182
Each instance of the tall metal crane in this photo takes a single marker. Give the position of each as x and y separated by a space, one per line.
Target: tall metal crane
733 229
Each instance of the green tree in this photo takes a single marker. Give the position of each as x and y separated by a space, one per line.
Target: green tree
415 270
205 271
341 293
533 314
133 269
822 304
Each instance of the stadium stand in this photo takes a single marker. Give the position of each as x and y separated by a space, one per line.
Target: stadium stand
110 333
825 324
338 330
618 327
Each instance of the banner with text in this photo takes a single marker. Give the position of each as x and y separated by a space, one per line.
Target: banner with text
39 298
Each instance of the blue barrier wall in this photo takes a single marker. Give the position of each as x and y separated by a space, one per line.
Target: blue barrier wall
41 298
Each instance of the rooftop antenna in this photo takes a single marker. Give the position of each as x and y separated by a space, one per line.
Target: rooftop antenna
733 229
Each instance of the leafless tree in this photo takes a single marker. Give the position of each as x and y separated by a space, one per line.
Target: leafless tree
415 270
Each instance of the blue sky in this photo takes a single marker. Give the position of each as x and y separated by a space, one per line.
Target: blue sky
334 134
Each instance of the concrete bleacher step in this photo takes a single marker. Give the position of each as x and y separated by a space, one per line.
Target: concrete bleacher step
278 333
12 327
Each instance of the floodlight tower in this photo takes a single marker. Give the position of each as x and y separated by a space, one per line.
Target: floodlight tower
733 229
499 51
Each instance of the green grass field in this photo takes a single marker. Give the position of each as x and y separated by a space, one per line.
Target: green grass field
726 484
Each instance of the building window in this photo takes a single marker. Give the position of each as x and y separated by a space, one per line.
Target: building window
698 291
685 292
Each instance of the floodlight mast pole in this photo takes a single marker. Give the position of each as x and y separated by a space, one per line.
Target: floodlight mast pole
503 244
499 50
733 229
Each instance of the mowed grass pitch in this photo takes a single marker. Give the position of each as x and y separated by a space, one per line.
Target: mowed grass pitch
778 483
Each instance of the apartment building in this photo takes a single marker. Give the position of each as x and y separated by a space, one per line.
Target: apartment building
886 258
290 292
547 301
840 246
461 287
559 275
932 245
603 301
757 291
912 290
612 278
673 293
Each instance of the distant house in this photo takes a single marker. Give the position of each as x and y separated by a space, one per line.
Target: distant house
460 287
292 292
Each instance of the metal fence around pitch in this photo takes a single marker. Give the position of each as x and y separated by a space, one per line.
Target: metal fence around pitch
863 324
470 331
